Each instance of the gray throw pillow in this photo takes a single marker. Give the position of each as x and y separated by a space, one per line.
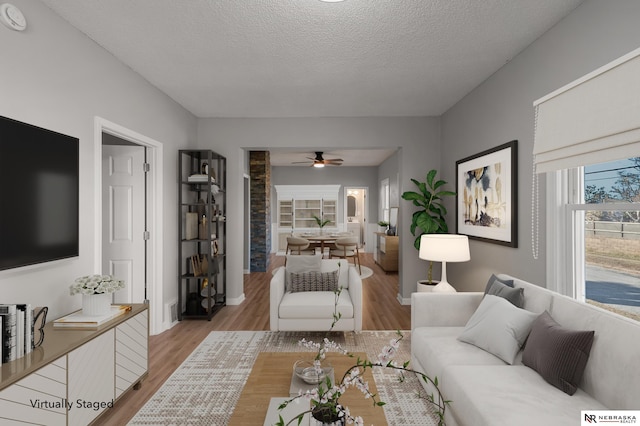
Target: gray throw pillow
314 281
559 355
498 327
513 295
301 263
493 278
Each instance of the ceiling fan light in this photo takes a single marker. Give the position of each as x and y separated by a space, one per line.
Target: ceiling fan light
318 165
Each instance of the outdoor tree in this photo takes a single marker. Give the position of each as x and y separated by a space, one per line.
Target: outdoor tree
627 188
596 195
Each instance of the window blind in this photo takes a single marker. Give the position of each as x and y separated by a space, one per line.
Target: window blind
591 120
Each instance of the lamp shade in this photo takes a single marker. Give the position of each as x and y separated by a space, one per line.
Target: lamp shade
444 248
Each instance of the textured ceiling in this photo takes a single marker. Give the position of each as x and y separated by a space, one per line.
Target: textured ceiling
306 58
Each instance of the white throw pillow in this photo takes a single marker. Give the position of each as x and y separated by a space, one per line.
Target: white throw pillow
297 264
498 327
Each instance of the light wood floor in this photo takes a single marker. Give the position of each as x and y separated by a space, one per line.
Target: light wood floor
168 350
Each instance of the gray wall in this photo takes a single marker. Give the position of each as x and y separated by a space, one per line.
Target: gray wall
416 136
501 109
57 78
344 176
389 169
60 80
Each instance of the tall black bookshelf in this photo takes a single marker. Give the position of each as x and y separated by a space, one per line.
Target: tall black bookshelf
202 276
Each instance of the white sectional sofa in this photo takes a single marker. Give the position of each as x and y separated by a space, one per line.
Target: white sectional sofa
485 390
313 310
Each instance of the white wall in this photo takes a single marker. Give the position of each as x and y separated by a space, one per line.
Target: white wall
501 109
57 78
418 138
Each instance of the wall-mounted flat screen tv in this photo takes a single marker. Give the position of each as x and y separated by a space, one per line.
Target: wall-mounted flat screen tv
39 195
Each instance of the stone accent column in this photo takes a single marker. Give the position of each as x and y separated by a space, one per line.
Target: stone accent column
260 186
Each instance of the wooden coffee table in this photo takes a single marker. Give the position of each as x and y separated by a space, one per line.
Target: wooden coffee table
271 377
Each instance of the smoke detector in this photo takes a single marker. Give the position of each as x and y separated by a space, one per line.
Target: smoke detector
12 17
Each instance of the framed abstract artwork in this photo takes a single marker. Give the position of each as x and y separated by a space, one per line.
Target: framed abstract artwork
486 200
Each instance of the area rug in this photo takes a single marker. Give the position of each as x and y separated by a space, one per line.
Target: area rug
205 388
366 272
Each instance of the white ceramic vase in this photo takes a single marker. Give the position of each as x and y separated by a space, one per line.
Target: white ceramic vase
425 287
96 304
436 287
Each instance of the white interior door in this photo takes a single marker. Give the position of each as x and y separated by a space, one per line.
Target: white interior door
123 204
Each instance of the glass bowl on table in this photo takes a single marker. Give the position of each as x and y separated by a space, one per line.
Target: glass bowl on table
308 373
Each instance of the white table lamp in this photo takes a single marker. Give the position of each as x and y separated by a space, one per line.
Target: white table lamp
444 248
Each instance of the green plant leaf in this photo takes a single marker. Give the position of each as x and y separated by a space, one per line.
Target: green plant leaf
416 242
430 218
438 184
445 194
430 176
415 197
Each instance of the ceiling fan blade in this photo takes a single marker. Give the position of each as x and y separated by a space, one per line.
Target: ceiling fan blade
318 159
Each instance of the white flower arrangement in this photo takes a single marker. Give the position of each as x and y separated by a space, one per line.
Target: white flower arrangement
324 398
96 284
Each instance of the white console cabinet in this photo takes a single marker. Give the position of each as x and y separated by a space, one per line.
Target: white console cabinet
89 365
76 375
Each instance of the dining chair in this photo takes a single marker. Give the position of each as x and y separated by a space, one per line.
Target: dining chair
347 247
298 246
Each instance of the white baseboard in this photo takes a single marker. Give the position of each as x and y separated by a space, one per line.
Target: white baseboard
403 301
235 300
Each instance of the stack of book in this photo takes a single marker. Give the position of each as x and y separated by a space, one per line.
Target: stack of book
16 329
198 178
78 320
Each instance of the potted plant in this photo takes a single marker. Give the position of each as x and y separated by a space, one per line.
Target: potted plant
321 222
97 292
430 217
384 225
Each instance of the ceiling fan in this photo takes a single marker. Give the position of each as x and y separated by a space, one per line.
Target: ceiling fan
319 161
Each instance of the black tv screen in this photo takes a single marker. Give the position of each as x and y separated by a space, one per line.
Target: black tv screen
39 194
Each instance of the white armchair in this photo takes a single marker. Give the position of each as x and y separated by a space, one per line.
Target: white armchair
313 310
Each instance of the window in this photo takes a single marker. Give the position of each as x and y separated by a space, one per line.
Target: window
592 209
384 199
596 228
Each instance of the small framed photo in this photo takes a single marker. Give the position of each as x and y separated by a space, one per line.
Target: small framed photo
486 200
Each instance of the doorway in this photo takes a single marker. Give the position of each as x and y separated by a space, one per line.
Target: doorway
128 203
356 213
124 207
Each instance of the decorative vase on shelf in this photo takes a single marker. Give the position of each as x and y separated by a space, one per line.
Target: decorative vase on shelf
96 304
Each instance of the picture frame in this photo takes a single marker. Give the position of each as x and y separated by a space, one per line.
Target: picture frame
486 195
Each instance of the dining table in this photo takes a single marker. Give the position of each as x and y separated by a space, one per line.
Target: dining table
323 239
